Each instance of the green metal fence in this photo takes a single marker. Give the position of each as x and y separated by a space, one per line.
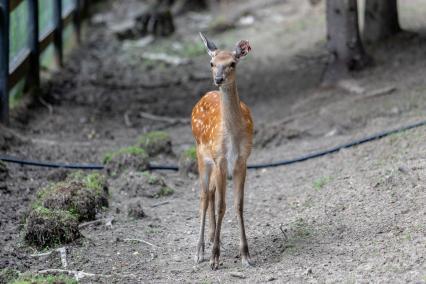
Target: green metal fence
27 28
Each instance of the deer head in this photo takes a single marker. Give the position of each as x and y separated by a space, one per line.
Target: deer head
223 63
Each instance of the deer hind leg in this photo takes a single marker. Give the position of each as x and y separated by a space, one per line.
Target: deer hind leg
220 180
239 180
205 173
212 211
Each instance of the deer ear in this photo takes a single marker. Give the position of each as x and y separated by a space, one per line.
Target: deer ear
211 47
242 49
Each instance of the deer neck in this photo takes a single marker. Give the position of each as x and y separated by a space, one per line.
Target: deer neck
231 109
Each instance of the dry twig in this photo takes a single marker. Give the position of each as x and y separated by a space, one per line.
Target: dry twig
159 204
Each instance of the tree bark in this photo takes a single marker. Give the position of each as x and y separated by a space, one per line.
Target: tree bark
346 52
381 19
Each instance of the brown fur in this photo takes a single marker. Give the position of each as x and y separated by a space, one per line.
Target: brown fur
223 130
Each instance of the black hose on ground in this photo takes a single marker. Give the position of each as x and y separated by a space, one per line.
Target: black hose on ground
153 167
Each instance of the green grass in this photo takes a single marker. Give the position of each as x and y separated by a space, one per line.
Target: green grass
132 150
165 191
191 153
151 178
44 279
95 181
321 182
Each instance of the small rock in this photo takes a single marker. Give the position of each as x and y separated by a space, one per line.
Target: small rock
308 271
270 279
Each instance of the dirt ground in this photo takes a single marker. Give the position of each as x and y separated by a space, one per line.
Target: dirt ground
357 216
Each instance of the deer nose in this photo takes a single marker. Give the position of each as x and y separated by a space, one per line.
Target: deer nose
218 80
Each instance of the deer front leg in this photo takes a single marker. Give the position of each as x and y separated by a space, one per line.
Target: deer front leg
220 178
212 211
205 171
239 180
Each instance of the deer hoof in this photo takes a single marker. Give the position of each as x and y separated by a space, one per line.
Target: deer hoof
247 262
199 256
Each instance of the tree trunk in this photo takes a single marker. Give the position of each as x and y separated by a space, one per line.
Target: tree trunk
381 19
343 41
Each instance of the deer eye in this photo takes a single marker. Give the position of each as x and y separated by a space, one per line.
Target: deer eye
232 65
211 64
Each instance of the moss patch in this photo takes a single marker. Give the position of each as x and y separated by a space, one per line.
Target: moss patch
165 191
131 150
81 195
127 158
44 279
156 142
188 161
321 182
46 227
54 215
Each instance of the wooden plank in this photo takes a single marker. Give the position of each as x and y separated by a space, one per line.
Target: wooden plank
46 38
77 20
4 61
13 4
19 68
57 32
33 43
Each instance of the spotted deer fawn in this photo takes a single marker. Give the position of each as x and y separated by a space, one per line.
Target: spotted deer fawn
223 130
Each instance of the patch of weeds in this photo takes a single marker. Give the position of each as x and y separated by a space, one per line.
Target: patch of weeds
118 162
46 227
151 179
301 229
191 153
318 184
165 191
7 275
44 279
81 195
188 161
131 150
156 142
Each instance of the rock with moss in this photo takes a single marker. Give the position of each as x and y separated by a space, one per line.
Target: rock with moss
188 162
81 195
126 159
50 227
29 278
145 184
156 142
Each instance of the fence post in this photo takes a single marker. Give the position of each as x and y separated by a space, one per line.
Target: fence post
4 61
77 20
33 43
57 37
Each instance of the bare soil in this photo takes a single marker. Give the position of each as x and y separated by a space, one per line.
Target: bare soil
356 216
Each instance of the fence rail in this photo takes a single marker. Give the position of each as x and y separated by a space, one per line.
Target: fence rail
27 63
